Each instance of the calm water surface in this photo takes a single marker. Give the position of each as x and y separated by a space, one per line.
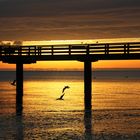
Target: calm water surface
115 106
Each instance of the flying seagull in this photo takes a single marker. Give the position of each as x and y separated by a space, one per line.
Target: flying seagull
13 83
65 88
61 97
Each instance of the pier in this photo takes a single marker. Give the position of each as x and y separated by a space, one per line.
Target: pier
86 53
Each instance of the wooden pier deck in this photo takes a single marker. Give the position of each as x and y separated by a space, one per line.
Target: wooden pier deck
81 52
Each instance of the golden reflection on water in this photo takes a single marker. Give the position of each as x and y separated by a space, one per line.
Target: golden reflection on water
42 95
46 117
115 95
7 98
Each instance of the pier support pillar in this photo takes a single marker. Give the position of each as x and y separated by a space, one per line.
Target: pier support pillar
19 88
87 84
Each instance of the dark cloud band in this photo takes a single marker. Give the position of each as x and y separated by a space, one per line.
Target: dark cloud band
68 19
16 8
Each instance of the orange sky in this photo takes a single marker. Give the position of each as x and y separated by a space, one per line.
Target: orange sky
75 65
70 65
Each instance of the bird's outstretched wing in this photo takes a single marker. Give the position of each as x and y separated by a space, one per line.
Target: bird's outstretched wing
65 88
13 83
61 97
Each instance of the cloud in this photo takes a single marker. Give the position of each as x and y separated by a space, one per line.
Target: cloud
60 7
68 19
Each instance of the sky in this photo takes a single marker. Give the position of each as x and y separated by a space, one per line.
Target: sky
36 20
69 19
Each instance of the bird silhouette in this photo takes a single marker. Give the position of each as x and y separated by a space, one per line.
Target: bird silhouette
61 97
13 83
65 88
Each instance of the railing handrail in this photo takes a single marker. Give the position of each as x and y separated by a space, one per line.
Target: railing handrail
74 49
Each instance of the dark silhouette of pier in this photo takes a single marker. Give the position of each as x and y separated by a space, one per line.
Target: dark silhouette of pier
86 53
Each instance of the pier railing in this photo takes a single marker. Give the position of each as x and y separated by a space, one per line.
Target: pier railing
82 49
81 52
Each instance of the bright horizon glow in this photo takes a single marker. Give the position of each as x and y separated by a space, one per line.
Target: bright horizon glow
86 41
75 65
89 41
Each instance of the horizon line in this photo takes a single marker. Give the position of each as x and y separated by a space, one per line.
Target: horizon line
71 70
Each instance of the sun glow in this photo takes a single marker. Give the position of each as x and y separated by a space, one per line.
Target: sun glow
88 41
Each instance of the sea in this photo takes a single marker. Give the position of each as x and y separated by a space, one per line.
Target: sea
115 113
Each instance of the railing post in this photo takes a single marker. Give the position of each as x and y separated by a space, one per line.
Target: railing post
39 50
35 49
106 48
29 51
69 49
87 50
9 50
0 50
52 49
20 50
4 51
124 48
127 48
